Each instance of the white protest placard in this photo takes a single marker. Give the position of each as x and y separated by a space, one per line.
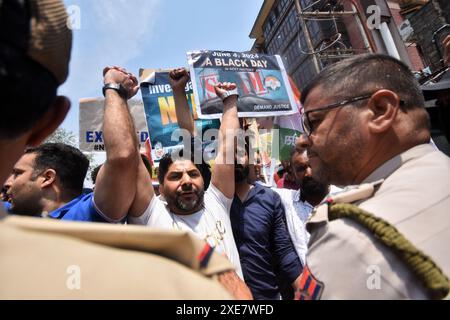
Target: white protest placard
91 123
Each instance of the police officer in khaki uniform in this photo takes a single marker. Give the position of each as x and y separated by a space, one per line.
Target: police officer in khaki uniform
42 259
387 236
48 259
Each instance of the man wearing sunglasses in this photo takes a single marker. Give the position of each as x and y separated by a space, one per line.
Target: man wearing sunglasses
386 237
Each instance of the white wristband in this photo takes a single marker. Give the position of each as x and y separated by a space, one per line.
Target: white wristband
228 93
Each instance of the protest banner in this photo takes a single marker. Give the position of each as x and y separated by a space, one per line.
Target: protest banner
159 107
91 123
262 83
289 128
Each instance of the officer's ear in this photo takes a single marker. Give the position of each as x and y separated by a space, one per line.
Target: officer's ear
48 177
383 107
49 122
160 188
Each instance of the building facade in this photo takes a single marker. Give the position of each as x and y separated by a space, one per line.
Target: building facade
330 30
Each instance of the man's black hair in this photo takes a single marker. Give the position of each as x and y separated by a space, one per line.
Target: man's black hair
70 164
365 73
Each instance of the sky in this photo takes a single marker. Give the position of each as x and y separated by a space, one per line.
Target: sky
147 34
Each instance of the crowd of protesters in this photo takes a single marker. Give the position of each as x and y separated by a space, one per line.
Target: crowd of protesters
216 231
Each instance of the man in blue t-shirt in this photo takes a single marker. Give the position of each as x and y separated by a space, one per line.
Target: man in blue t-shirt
48 179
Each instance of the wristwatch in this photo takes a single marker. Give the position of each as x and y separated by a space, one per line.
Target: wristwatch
228 93
118 87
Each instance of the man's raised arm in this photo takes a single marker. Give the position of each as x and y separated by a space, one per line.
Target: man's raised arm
178 78
116 182
223 173
144 188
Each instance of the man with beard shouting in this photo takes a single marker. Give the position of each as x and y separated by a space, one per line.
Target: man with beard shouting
257 217
185 205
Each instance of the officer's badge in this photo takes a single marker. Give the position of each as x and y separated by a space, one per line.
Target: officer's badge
309 288
205 255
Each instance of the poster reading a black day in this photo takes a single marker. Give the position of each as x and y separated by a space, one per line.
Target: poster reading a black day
262 83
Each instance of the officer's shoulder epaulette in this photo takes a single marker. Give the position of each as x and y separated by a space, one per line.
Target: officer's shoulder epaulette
349 194
342 205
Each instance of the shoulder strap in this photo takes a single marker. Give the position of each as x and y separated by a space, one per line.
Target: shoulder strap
181 246
427 271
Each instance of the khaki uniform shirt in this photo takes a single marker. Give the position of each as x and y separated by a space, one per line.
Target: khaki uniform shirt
44 259
345 261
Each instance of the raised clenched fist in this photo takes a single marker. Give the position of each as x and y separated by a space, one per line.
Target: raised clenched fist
178 79
123 77
225 90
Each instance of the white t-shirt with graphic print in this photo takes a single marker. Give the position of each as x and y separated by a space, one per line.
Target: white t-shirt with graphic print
212 223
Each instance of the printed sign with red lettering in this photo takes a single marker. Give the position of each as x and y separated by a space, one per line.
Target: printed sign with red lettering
262 83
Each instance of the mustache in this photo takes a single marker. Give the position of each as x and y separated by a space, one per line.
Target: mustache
187 189
190 204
